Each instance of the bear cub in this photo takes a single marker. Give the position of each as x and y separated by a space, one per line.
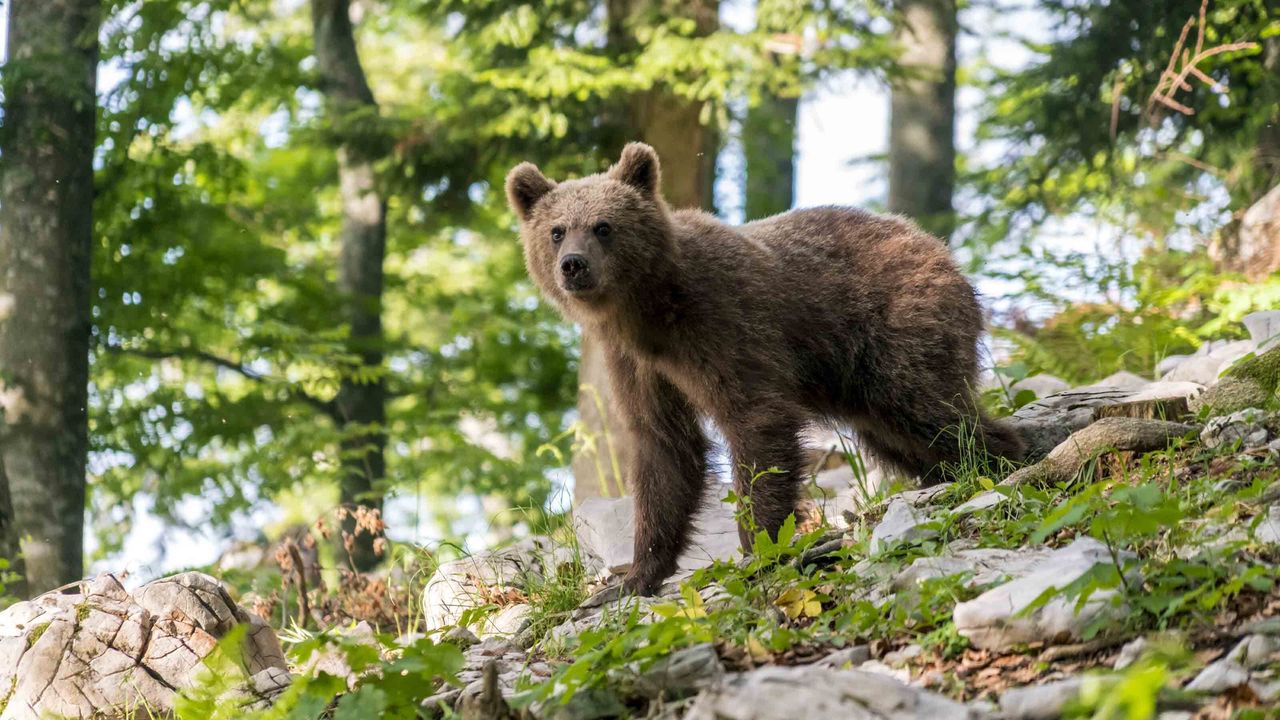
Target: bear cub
829 314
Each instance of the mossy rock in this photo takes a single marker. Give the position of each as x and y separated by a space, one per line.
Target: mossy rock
1249 383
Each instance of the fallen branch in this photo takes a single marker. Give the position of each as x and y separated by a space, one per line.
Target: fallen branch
1062 652
1105 435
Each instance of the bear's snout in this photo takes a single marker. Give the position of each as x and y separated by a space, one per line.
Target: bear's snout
575 272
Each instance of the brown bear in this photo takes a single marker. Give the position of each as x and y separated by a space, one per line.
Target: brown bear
828 314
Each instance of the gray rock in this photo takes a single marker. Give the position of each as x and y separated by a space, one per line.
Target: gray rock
1169 362
787 693
1201 369
1219 677
1265 626
846 657
1039 702
1130 653
1124 380
1043 385
898 658
1264 328
1166 390
1254 651
841 491
981 501
920 497
1266 691
507 622
995 620
1245 426
1268 530
101 651
681 673
901 523
605 528
461 585
331 659
589 704
461 637
590 617
986 566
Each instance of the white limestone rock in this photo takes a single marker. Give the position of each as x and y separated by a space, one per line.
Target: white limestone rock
1219 677
1124 380
1043 385
984 566
1039 702
102 651
1264 328
994 620
901 523
1246 426
787 693
461 585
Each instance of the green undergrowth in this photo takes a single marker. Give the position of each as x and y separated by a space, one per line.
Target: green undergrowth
1178 524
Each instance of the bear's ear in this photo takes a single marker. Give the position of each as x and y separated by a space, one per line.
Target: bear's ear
638 167
525 187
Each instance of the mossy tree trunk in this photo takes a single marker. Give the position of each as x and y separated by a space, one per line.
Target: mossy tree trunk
687 149
769 130
46 230
922 151
360 407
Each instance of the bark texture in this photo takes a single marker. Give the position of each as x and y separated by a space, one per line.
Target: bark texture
768 138
9 539
1107 434
360 408
46 226
673 126
922 152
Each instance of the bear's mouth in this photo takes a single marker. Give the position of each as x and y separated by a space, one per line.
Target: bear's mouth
581 286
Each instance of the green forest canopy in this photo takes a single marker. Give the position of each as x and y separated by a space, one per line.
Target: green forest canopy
215 354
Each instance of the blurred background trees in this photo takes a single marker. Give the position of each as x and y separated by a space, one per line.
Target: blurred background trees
306 291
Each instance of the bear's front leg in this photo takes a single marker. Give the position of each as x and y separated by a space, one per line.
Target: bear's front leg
768 466
667 474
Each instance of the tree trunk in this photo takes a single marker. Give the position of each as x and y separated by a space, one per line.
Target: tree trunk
768 139
9 541
46 227
360 408
922 152
687 150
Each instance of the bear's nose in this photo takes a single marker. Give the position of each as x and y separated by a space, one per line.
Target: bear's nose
573 265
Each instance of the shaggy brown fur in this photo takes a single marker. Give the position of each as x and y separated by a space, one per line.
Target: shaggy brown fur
829 314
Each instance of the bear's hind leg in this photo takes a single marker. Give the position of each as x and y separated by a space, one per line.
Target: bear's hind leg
936 438
768 466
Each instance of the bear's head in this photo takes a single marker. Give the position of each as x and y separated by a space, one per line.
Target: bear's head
590 243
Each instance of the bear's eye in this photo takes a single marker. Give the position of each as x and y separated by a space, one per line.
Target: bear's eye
557 234
603 230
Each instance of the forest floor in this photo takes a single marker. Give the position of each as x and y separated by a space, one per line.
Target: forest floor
1143 581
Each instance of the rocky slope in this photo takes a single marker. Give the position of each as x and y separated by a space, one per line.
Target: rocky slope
1131 571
